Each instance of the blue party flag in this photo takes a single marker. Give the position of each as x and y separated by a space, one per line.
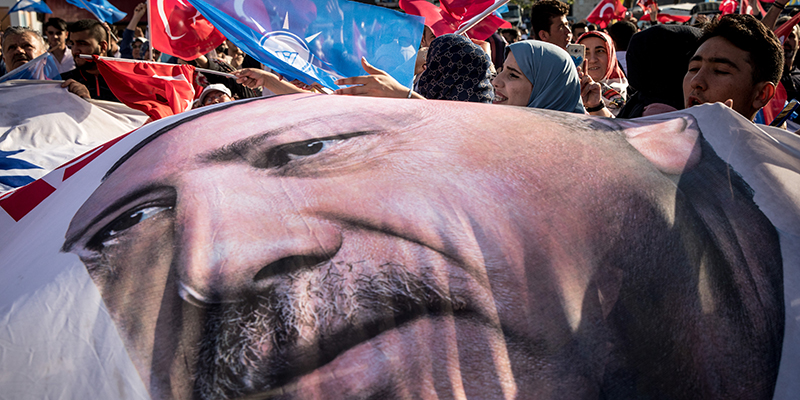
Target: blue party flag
101 9
319 40
31 5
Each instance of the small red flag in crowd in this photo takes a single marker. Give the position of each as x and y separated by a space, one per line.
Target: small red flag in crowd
783 31
745 8
728 7
454 12
645 4
179 29
666 18
159 90
607 11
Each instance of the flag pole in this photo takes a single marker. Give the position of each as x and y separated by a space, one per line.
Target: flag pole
478 18
9 11
203 70
90 10
149 39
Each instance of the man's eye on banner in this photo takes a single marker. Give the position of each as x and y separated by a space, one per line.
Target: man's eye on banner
319 41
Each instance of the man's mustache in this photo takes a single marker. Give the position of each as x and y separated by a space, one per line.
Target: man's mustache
21 57
308 318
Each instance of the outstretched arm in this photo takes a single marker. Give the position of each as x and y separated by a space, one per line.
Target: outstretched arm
254 78
377 84
773 14
125 49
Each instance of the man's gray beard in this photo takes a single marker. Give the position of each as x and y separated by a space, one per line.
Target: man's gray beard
251 346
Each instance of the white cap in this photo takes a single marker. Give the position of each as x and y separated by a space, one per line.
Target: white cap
210 88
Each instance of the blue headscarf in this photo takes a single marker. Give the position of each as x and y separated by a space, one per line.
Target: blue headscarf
551 71
456 69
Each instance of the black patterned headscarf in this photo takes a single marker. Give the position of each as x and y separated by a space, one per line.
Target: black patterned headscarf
457 69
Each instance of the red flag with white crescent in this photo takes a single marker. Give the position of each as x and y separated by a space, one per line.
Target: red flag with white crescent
452 14
159 90
607 11
179 29
728 7
783 31
666 18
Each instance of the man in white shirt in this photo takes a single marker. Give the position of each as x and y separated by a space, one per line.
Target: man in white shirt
56 31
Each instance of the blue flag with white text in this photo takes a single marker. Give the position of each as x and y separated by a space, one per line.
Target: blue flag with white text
43 67
319 40
31 5
102 9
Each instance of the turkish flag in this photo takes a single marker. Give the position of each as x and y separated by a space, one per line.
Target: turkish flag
452 13
728 7
159 90
783 31
665 18
745 8
645 5
607 11
179 29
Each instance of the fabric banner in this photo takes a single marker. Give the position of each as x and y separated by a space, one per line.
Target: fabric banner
157 89
59 128
319 40
313 246
179 29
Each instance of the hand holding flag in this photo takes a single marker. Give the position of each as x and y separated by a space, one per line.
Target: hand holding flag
452 14
318 40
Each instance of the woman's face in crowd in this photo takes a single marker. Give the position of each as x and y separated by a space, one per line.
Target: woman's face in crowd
136 47
596 57
511 86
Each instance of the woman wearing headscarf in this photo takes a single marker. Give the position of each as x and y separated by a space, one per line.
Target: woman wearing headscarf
658 58
539 75
601 65
458 70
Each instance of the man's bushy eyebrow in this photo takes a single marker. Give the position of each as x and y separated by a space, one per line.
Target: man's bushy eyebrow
239 148
716 60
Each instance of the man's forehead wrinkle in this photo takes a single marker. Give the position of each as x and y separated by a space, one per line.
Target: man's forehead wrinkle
168 129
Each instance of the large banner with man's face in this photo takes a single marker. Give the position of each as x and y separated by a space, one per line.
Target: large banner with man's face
331 247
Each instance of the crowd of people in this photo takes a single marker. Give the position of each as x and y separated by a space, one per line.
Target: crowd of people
735 59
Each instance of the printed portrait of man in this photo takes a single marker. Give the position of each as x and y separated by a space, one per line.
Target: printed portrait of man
336 247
